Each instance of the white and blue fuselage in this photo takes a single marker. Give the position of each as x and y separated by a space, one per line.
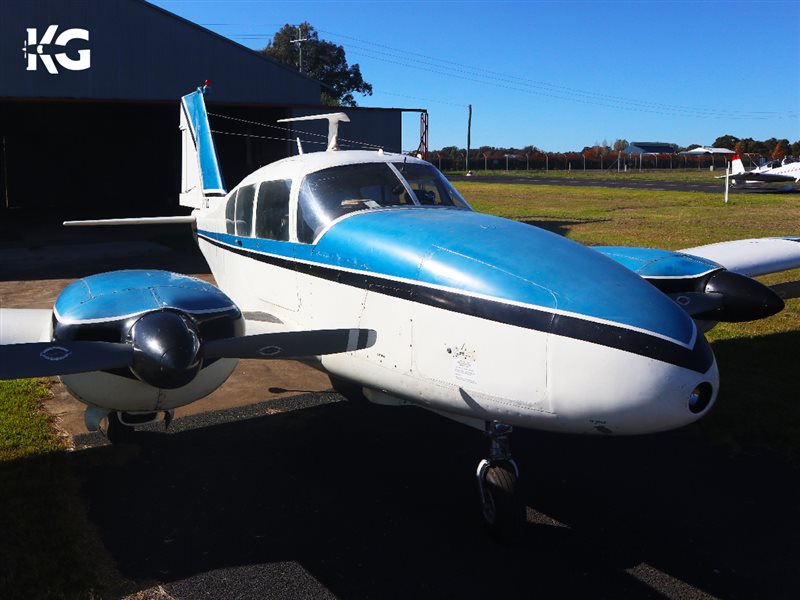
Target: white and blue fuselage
479 318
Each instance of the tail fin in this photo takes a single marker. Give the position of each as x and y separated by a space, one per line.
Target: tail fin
737 166
200 174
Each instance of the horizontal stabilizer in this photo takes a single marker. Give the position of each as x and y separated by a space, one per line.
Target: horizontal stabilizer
133 221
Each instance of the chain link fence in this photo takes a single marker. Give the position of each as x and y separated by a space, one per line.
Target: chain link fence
576 161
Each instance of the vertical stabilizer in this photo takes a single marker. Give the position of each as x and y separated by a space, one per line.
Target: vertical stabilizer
737 166
201 177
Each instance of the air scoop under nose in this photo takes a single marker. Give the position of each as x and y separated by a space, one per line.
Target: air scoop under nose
741 298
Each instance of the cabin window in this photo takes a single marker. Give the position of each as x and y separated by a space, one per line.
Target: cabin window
244 210
272 210
331 193
429 186
230 214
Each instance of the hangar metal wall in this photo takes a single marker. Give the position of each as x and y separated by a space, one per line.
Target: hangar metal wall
89 93
137 51
84 159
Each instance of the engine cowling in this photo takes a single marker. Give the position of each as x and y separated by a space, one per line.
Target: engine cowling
166 318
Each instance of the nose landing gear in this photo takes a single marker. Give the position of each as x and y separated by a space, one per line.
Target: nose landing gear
120 427
501 503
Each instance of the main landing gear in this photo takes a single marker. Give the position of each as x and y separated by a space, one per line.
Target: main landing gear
502 505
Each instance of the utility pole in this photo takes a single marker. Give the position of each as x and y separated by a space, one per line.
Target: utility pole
469 135
299 41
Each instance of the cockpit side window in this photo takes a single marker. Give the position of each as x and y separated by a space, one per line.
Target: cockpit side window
272 210
230 214
244 210
429 186
331 193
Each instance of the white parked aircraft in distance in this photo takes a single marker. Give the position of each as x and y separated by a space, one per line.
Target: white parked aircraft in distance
377 270
774 171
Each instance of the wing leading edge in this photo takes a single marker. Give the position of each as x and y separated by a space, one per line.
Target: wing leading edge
752 257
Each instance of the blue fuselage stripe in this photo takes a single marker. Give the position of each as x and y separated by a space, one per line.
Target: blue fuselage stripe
698 358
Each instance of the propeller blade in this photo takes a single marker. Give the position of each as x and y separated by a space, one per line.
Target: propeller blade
43 359
787 290
291 344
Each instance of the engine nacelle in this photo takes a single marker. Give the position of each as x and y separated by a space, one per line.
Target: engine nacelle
165 317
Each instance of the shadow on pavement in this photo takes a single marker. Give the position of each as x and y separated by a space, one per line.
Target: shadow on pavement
367 501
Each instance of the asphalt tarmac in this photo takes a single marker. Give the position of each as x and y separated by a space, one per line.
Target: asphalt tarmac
316 497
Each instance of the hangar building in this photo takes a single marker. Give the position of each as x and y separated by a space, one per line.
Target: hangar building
650 148
89 93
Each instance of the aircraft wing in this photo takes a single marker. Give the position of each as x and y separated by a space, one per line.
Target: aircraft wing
23 325
752 257
763 177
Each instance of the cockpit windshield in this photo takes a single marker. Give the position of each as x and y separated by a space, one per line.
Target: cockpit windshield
429 186
331 193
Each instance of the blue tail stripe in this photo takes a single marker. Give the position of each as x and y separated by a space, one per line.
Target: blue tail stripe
198 120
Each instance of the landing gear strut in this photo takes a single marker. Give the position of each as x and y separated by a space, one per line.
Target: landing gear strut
501 503
117 431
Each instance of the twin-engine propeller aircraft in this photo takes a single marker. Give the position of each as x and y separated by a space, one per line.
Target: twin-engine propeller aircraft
785 171
372 266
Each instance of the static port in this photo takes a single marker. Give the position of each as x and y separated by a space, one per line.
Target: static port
700 397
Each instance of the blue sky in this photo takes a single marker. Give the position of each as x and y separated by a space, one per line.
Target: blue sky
555 75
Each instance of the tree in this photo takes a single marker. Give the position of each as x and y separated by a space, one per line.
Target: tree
322 60
780 150
620 145
725 141
740 147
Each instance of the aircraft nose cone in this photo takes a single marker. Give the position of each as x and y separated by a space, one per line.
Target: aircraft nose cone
743 298
644 386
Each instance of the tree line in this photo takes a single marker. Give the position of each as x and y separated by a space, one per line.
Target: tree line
773 148
604 153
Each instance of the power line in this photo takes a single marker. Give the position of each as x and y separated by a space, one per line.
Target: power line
347 142
483 76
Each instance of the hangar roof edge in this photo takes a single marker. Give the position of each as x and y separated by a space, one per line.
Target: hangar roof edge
229 41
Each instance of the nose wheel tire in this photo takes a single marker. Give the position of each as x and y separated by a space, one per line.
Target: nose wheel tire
501 502
502 507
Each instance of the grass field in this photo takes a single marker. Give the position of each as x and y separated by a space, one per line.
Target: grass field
47 548
759 403
678 175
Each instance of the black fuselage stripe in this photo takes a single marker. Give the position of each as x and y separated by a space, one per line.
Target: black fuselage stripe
698 359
